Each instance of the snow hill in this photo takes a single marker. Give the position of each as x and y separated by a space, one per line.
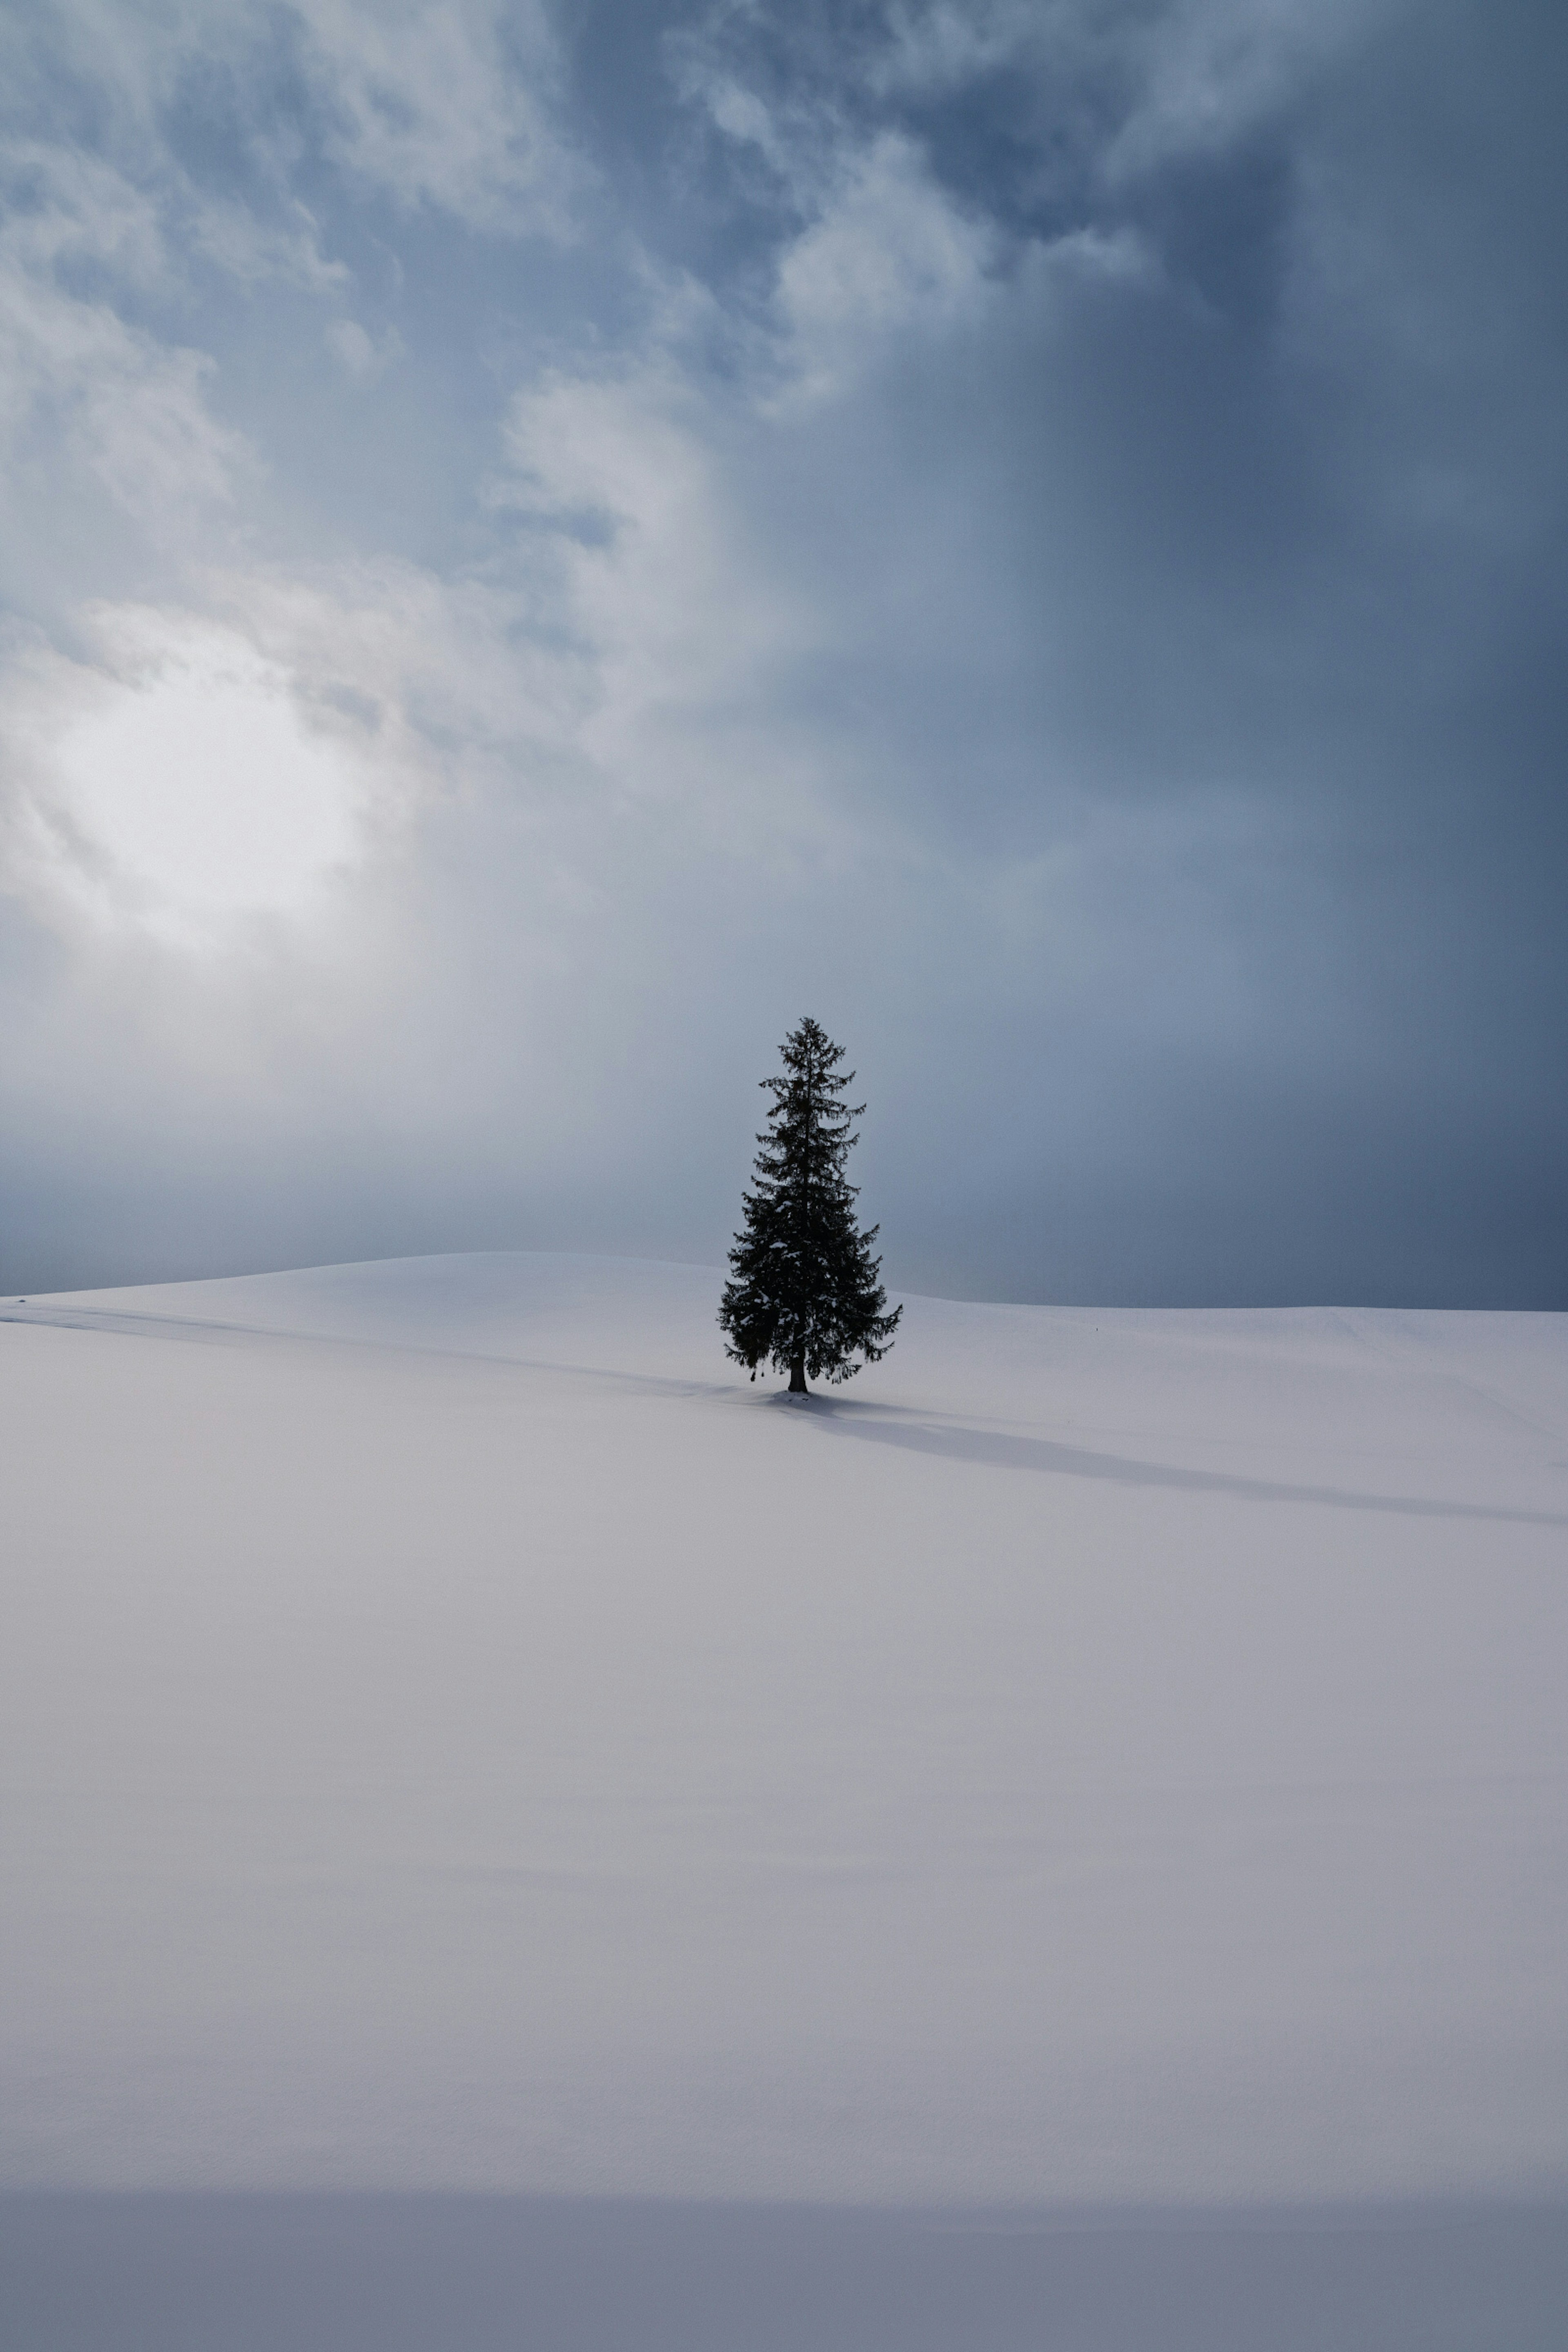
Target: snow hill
459 1733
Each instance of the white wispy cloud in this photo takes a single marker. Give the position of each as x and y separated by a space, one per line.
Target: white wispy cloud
116 401
447 102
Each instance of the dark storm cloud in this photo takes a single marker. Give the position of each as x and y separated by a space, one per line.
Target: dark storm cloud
1037 535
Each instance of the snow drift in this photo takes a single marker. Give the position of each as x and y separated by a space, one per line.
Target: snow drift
459 1734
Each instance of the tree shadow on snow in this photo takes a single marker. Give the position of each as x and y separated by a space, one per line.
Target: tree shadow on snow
882 1425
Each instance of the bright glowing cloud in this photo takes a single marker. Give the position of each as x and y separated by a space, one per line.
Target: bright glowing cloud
190 790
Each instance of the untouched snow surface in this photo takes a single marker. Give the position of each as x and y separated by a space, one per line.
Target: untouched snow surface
459 1734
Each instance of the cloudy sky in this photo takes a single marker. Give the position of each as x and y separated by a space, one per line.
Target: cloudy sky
540 543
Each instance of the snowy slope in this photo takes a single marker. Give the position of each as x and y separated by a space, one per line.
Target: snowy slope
459 1732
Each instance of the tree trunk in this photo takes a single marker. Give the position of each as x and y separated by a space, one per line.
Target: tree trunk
797 1377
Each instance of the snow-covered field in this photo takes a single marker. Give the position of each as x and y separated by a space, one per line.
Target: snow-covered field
460 1734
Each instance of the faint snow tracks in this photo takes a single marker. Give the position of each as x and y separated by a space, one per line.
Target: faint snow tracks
126 1323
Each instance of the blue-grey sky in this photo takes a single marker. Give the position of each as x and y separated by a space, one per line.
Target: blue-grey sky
539 544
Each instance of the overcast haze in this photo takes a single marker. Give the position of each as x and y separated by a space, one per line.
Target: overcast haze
539 546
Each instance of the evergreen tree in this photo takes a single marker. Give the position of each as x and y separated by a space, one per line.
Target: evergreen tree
804 1294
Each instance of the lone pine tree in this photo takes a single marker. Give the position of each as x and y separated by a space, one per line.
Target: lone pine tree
804 1294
